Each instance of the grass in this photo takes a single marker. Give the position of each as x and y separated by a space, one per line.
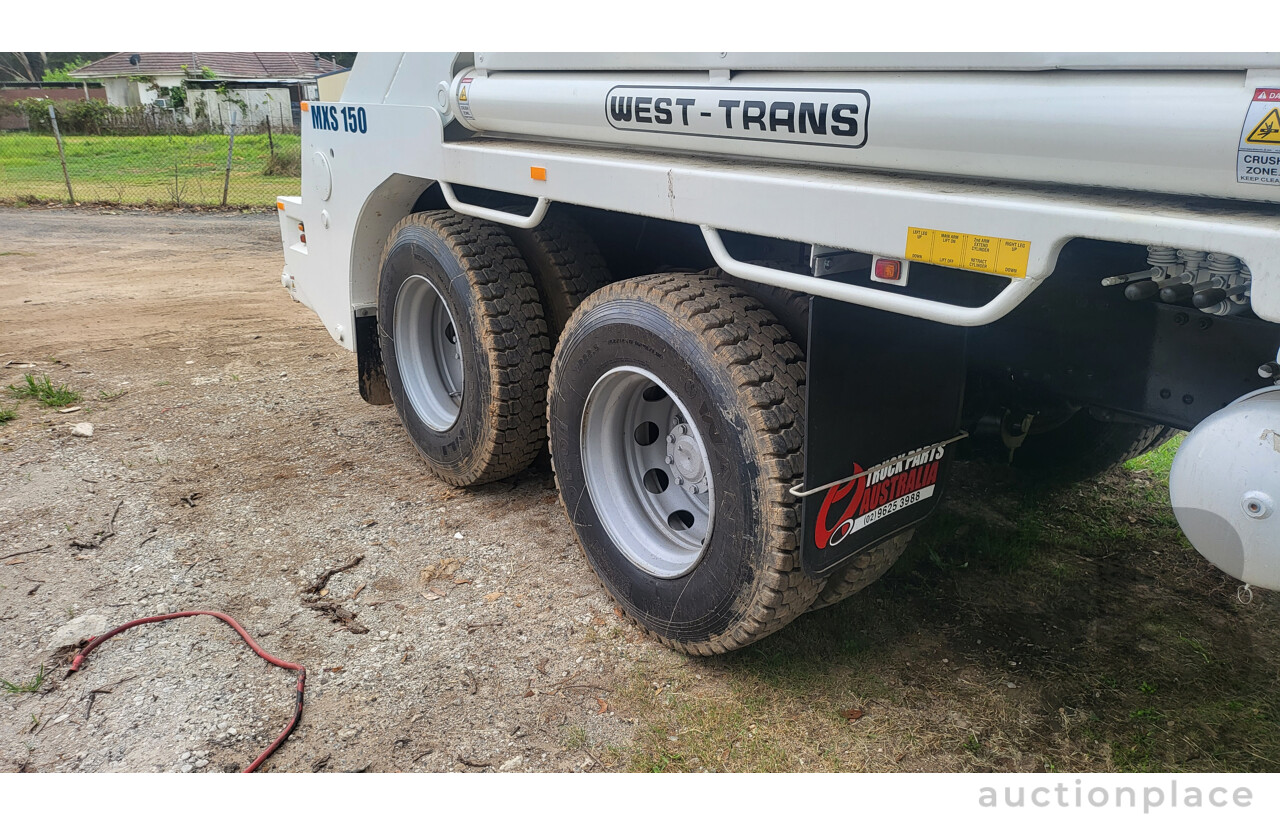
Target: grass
43 390
7 414
166 169
28 687
1025 629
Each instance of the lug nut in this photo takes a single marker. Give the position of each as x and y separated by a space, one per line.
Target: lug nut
670 460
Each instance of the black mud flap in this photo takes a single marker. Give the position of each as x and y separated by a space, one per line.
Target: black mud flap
881 386
373 376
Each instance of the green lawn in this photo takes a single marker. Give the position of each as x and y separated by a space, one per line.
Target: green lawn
1027 628
164 169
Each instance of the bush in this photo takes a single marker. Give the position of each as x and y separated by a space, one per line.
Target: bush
75 117
287 165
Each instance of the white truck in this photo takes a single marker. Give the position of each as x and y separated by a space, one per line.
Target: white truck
751 302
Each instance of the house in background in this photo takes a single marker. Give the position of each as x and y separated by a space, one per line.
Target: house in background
210 85
332 85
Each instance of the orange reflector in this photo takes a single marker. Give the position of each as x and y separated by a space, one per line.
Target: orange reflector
888 269
538 172
304 105
279 204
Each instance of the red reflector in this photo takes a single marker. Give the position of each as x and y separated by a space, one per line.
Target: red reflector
888 269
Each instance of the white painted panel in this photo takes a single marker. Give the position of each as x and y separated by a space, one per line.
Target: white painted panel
1174 132
873 61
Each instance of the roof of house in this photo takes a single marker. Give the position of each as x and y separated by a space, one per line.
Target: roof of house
223 64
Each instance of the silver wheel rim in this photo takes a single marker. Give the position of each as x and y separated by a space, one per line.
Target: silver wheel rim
648 472
428 353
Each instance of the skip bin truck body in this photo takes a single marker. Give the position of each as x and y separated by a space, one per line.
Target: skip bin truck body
755 303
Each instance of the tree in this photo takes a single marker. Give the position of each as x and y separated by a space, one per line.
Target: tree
35 66
22 65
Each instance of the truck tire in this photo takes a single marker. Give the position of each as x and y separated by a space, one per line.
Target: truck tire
465 346
566 264
861 570
791 308
1084 447
677 413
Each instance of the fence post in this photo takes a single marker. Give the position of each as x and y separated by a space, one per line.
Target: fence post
62 156
231 142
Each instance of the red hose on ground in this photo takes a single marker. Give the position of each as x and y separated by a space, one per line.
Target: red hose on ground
302 671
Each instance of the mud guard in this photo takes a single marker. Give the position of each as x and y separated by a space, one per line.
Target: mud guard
373 376
881 386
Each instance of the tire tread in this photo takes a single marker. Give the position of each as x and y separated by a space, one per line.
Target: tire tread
767 371
513 334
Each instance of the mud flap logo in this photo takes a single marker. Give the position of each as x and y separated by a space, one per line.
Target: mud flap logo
888 488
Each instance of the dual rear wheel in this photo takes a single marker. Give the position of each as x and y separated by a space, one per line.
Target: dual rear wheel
676 411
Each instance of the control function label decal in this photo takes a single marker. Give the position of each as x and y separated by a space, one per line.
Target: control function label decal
980 253
819 117
1258 158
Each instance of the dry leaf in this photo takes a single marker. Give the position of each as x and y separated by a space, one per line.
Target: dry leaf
852 714
494 596
462 581
604 706
528 693
440 570
324 592
16 561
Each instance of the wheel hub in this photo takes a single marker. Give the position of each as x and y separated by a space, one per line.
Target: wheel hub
686 455
646 469
429 352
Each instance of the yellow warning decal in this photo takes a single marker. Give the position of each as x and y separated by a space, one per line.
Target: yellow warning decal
980 253
1268 131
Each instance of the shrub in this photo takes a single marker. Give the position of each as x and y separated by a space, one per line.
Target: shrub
284 165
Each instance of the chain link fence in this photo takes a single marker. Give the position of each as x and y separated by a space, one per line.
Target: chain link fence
146 156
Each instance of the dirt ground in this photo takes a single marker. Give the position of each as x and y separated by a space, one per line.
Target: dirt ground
232 463
244 464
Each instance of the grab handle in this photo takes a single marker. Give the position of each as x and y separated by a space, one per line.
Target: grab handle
496 215
995 309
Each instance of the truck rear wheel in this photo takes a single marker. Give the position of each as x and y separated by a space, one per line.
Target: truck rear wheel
861 570
677 412
566 265
1084 447
464 345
